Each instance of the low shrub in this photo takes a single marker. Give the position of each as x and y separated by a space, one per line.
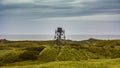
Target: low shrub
28 55
21 44
39 49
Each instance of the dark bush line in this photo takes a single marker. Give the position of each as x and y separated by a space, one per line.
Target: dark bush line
39 49
28 55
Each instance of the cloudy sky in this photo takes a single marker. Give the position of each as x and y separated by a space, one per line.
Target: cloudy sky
75 16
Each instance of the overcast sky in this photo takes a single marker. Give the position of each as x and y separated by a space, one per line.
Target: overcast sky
75 16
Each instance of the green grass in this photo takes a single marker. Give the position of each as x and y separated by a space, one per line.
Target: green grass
75 54
101 63
71 54
48 54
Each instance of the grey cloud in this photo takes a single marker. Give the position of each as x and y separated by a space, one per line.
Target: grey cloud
106 6
61 8
38 14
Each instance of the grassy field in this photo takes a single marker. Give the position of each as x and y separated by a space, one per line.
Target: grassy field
89 53
101 63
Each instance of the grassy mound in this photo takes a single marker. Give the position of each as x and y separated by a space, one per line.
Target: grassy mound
17 55
67 53
71 54
48 54
10 56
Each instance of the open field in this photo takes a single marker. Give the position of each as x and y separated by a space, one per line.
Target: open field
101 63
91 53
